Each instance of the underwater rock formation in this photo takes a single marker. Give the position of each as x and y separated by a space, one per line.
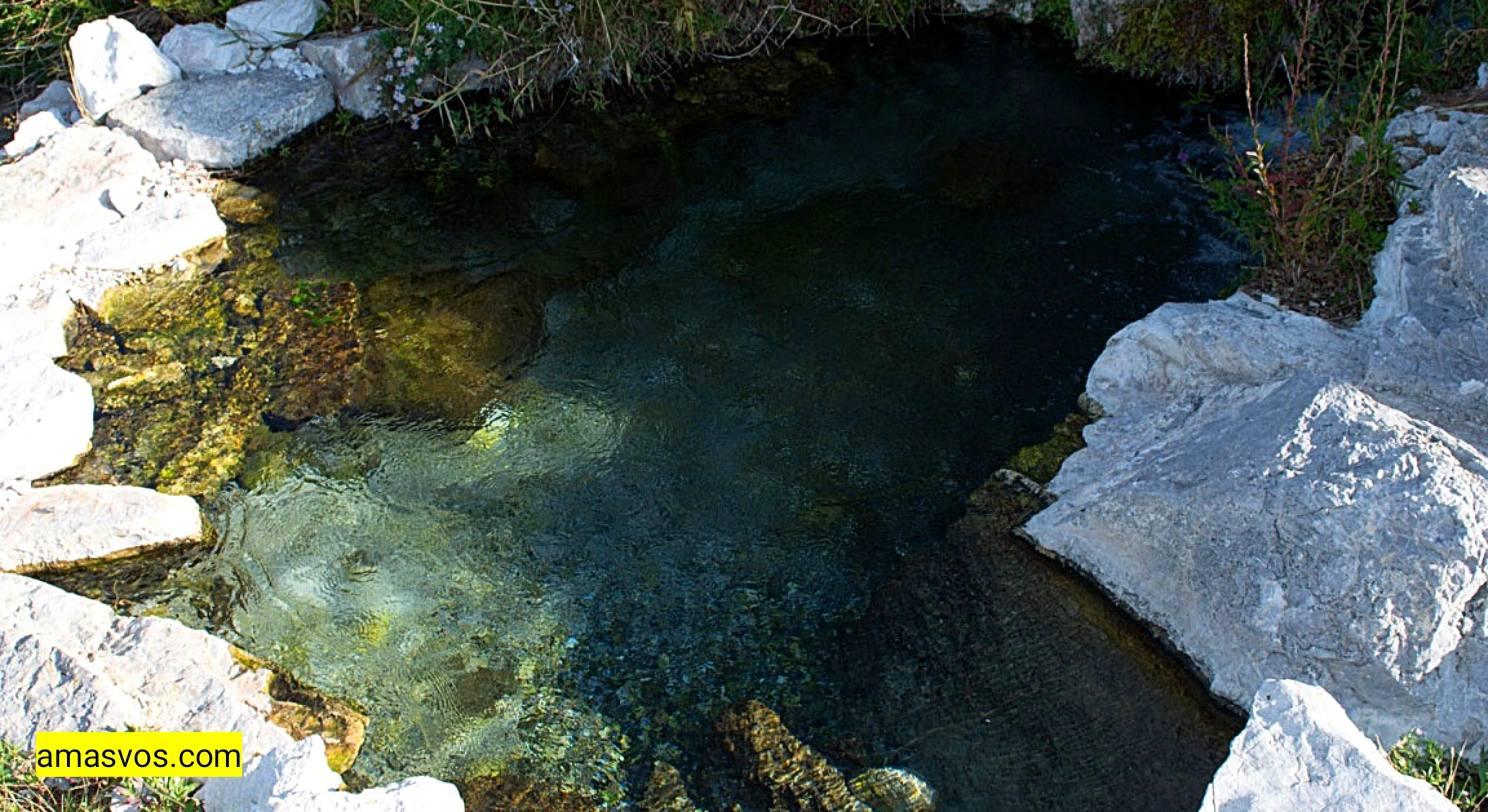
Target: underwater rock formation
794 777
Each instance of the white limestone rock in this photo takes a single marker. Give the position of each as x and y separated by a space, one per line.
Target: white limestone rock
46 419
295 778
1300 751
52 198
225 121
112 62
156 230
34 129
204 49
354 64
1282 497
73 523
267 23
69 663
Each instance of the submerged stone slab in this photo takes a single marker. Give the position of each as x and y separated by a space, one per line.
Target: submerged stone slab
1300 751
71 523
112 62
225 121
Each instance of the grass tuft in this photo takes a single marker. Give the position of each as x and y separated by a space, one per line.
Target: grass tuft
22 791
1465 783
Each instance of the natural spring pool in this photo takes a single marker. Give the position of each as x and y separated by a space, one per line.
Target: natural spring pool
777 356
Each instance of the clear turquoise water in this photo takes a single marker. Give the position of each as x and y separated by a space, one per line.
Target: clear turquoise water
821 333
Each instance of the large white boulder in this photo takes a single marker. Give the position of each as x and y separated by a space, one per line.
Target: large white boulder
71 523
203 49
1284 498
1299 751
226 121
266 23
69 663
112 62
354 64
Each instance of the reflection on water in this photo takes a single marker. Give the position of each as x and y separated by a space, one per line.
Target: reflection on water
823 336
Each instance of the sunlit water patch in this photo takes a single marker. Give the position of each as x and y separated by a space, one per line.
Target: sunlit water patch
825 334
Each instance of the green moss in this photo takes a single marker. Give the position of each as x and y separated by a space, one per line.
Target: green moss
1041 461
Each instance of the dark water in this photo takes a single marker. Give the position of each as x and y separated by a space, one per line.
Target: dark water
731 471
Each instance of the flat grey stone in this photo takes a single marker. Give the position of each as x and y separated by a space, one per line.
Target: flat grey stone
73 523
1299 751
225 121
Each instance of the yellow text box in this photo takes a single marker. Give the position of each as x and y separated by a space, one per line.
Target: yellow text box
138 754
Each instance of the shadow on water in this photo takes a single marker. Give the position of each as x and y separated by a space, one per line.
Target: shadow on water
733 469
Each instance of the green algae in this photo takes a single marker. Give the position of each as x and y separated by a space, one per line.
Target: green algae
1040 461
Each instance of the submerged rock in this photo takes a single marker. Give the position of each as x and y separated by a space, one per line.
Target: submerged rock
665 791
225 121
203 49
890 789
73 523
1300 751
790 774
112 62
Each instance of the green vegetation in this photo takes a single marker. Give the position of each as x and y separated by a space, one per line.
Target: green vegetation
22 791
32 34
521 50
1464 783
1313 189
